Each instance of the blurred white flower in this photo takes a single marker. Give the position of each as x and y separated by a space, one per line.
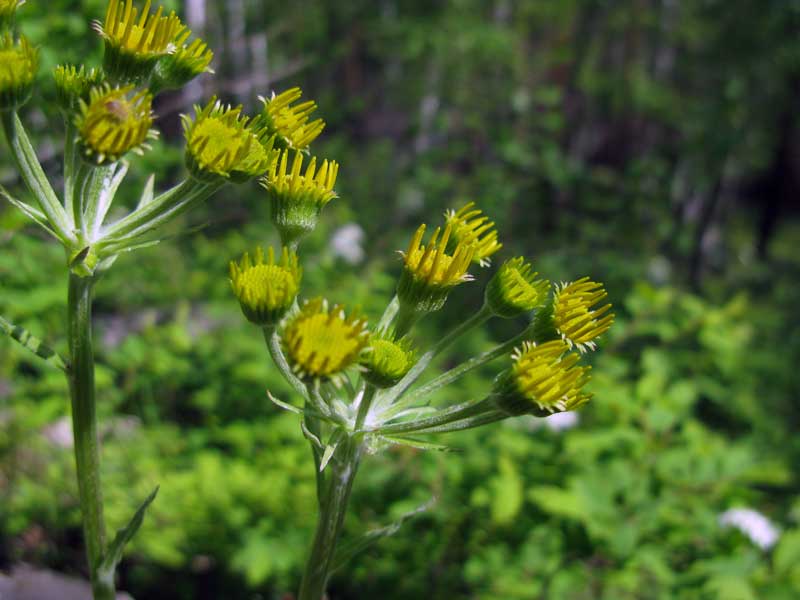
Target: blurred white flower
346 243
753 524
562 421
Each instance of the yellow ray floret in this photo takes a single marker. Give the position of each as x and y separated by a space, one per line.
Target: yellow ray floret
576 316
315 186
471 225
140 33
543 379
289 122
322 341
114 122
266 289
432 264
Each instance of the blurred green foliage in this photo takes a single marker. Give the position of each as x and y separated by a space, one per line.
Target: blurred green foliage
616 139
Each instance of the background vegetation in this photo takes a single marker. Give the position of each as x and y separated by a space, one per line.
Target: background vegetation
650 143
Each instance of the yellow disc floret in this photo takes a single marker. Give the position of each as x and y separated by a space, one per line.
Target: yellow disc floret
266 289
387 360
471 225
321 342
543 379
222 143
576 316
289 122
18 64
135 41
114 122
429 272
297 197
515 289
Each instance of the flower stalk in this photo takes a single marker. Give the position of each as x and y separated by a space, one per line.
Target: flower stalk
84 427
333 507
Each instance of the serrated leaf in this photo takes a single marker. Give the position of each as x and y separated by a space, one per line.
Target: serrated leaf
33 344
124 535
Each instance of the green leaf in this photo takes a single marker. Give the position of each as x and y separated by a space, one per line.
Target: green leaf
507 496
348 550
557 501
34 344
418 444
787 554
124 535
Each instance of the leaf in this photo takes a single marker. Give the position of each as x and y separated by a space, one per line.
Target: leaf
348 550
29 211
557 501
787 554
418 444
327 455
280 404
34 344
147 193
507 496
124 535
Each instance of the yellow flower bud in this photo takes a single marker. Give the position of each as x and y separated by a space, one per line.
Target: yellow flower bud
542 380
515 289
386 361
222 143
429 272
266 289
297 197
75 84
114 122
470 225
19 62
321 341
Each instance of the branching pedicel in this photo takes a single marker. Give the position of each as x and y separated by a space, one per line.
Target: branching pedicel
355 382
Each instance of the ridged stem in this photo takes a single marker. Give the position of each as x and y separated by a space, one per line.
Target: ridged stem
84 428
333 507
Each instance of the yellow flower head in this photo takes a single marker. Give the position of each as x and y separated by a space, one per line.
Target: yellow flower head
321 341
8 9
471 225
75 84
543 379
429 272
576 316
297 197
178 68
19 62
291 123
114 122
266 289
515 289
222 143
386 360
135 41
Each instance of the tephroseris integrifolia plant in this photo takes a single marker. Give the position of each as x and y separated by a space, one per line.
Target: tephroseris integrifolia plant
108 116
359 386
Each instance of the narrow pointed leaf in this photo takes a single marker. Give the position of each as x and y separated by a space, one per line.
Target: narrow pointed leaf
34 344
124 535
418 444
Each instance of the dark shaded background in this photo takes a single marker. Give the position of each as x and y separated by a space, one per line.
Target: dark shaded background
652 144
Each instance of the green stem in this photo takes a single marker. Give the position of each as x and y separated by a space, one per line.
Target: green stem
389 314
442 417
459 371
333 508
364 405
33 175
84 427
276 352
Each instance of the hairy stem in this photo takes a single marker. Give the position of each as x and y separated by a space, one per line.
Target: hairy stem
84 427
333 508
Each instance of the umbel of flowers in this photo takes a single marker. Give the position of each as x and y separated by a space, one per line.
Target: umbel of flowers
360 387
108 116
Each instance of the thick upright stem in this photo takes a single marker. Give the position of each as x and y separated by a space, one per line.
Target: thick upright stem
84 427
333 508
